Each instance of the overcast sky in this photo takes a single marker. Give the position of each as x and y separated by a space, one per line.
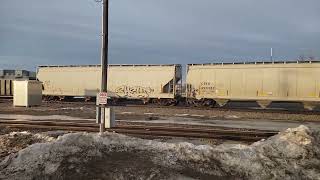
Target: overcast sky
42 32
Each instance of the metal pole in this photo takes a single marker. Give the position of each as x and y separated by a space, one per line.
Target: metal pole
186 84
104 57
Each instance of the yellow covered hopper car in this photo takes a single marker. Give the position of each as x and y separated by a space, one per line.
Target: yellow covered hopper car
146 82
263 82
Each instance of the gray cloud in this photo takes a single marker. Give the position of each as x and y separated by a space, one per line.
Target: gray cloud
147 31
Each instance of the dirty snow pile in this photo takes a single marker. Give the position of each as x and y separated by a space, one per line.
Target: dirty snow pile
15 141
292 154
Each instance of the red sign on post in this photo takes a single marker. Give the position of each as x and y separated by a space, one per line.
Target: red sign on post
102 98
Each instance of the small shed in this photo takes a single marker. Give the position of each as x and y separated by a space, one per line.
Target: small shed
27 93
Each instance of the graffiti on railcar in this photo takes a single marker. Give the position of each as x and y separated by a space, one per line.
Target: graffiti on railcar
134 91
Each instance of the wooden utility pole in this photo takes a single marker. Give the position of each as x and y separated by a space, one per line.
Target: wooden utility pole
104 60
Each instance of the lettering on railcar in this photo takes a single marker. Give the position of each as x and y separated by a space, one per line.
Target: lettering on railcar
206 88
134 91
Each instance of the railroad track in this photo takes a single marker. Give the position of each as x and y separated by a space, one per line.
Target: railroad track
238 109
147 129
184 107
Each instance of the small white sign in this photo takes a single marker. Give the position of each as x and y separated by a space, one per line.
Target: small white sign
102 98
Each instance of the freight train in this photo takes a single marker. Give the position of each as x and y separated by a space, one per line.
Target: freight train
205 84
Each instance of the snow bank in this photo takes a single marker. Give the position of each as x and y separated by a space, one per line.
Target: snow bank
292 154
15 141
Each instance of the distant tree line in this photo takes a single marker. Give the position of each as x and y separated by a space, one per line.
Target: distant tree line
304 57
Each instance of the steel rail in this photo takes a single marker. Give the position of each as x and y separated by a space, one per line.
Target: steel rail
145 130
149 127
